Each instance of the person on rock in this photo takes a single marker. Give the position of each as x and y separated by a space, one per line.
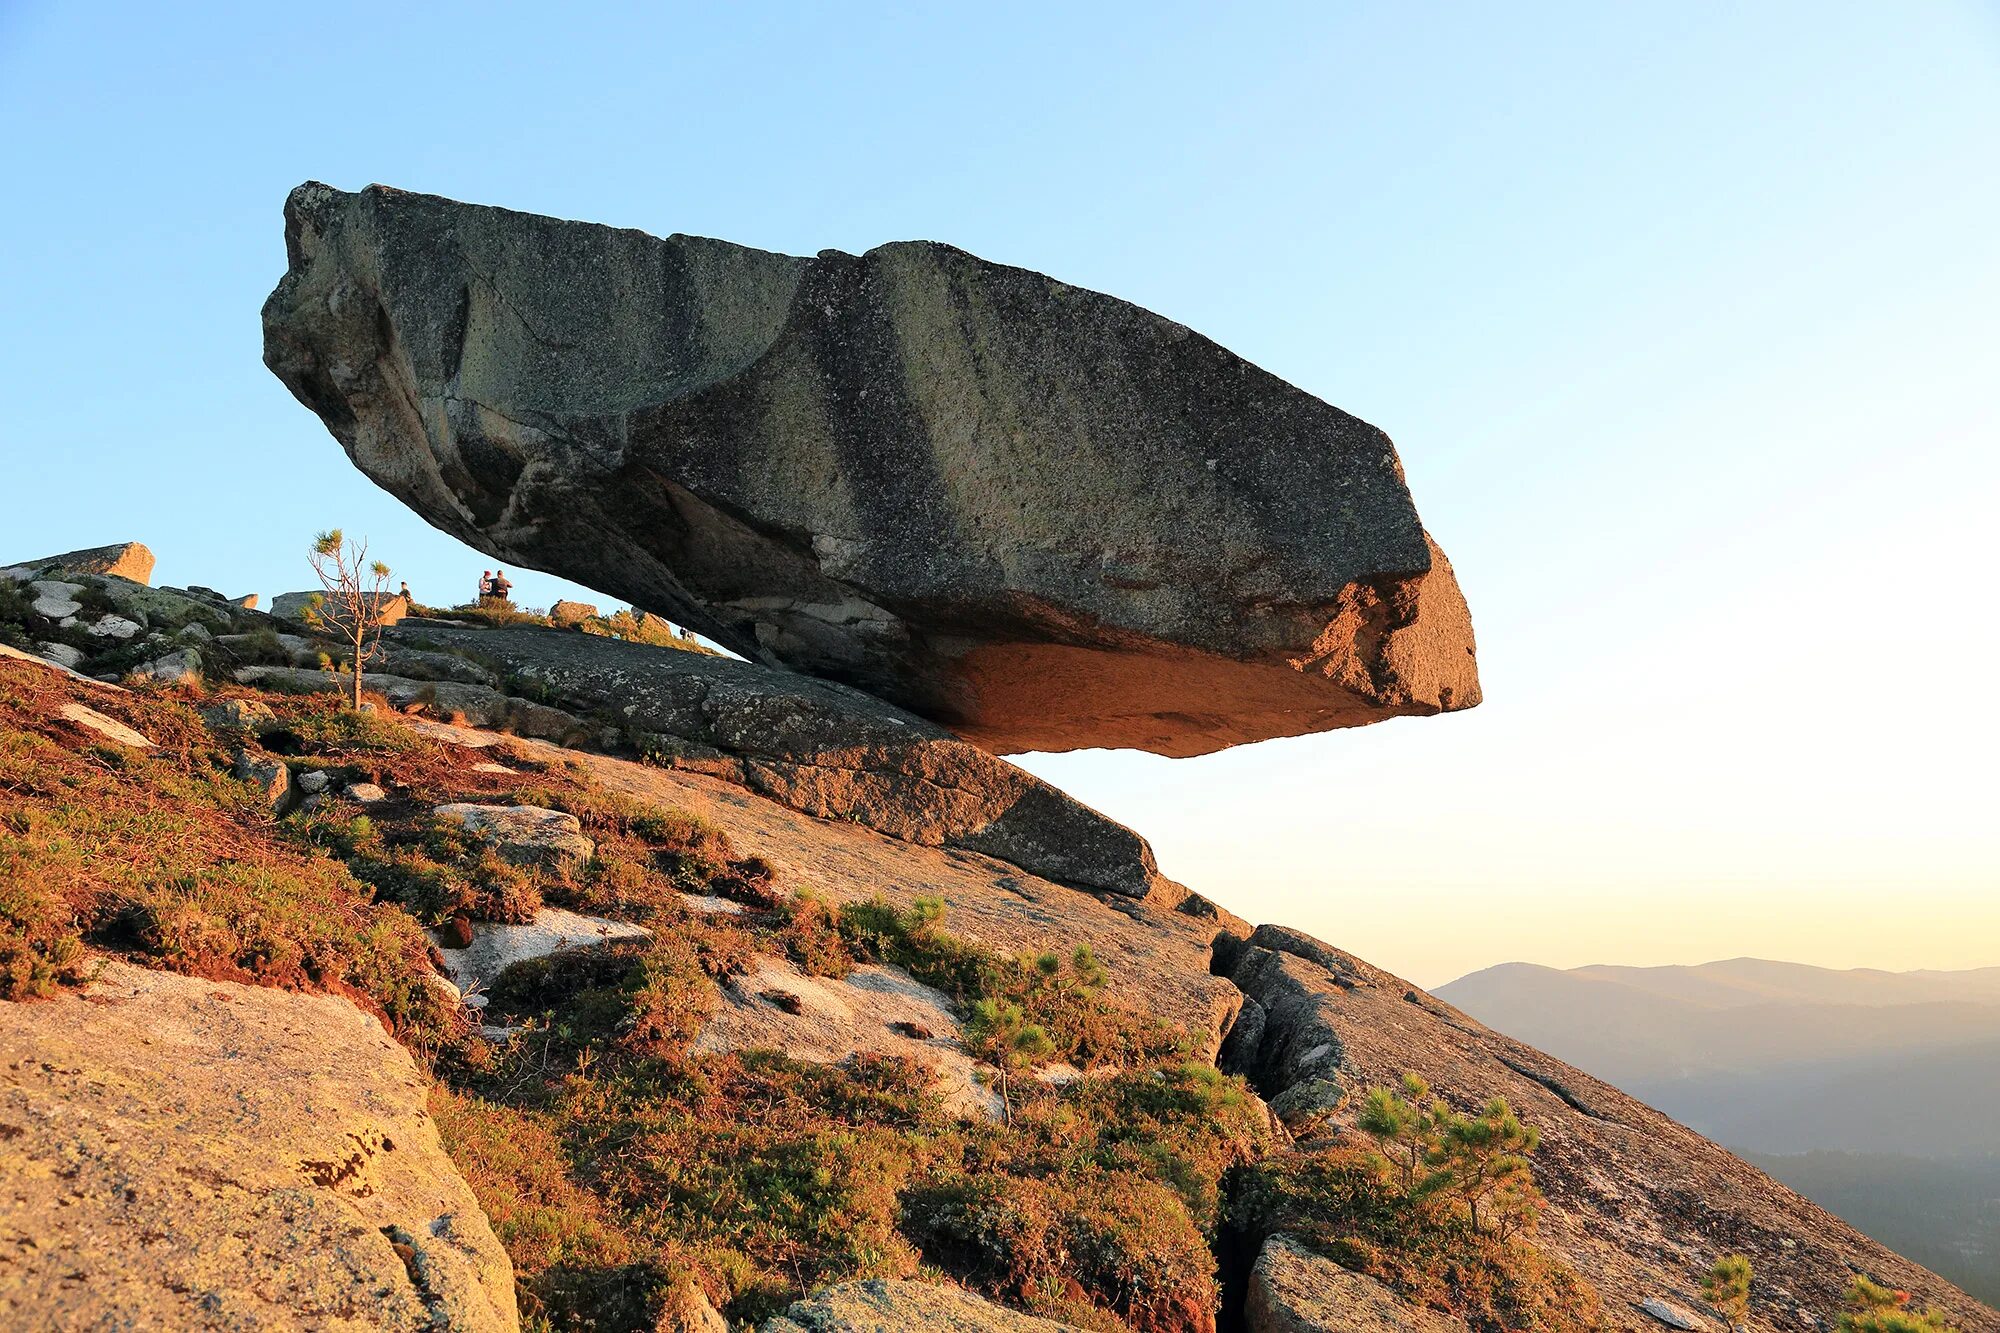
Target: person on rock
502 589
485 585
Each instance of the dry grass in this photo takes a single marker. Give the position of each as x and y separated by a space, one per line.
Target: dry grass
164 855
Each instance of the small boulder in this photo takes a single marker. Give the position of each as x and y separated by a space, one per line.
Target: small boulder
525 835
1309 1102
888 1305
1293 1290
568 615
55 599
367 793
111 729
491 947
174 668
314 781
61 654
115 627
239 715
270 777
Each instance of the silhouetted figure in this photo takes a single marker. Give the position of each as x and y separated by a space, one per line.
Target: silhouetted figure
501 587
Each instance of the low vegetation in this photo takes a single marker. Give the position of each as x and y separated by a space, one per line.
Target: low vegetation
349 606
166 856
1873 1308
1435 1203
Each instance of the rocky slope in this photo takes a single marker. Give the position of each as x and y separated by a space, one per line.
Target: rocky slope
1638 1206
1036 514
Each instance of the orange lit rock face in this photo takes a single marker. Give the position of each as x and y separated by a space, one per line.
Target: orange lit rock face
127 560
1399 649
1039 515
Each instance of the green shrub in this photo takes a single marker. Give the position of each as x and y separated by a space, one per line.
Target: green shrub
1873 1308
1726 1286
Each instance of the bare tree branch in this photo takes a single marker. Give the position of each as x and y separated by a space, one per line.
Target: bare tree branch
354 594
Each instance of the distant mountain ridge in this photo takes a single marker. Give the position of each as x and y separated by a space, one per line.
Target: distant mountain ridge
1737 981
1645 1028
1837 1081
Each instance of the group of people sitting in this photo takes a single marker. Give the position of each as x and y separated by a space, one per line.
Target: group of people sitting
493 586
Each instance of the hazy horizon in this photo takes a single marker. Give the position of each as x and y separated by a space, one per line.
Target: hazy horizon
1684 324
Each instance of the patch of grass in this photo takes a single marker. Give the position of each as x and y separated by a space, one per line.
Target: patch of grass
1063 997
163 854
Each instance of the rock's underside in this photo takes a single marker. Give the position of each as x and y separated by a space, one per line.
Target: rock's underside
1039 515
180 1153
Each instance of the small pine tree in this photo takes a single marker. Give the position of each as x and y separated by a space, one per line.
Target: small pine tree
353 593
1406 1130
1874 1308
1486 1158
1001 1032
1727 1288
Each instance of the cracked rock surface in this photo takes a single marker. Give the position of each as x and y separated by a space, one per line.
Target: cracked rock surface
819 748
181 1153
1037 514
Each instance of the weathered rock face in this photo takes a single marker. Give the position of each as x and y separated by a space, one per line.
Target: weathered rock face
127 560
817 747
1037 514
182 1153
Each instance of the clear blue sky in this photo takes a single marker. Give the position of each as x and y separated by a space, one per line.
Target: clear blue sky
1683 318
